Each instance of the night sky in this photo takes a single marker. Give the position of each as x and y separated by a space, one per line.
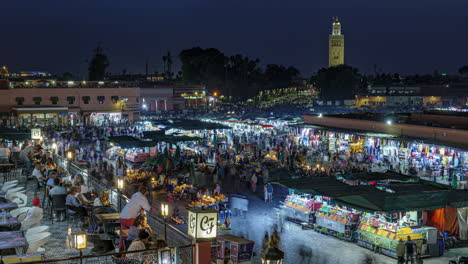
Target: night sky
406 36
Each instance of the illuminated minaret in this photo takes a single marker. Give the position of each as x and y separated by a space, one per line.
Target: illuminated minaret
336 45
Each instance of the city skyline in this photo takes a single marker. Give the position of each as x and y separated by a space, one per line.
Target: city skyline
397 37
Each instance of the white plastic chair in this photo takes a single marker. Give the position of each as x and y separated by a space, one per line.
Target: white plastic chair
15 190
22 200
11 182
6 187
11 196
17 212
36 230
37 240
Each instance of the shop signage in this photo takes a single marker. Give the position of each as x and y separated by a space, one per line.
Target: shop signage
35 133
202 223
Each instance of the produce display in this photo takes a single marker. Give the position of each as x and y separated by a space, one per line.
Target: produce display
208 200
299 203
181 188
388 239
336 214
139 176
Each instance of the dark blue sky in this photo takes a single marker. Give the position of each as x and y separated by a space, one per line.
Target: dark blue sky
406 36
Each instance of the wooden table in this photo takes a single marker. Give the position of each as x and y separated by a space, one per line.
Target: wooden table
22 258
110 219
13 239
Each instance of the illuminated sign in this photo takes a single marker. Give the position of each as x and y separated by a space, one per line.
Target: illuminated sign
202 223
35 133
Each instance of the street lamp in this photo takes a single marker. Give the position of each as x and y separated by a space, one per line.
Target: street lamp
120 186
69 155
81 243
165 256
165 213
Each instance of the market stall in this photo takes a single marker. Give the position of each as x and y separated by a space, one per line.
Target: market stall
380 234
301 208
338 221
234 249
130 148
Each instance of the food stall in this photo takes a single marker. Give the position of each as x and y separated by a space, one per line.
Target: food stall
132 149
337 221
234 249
300 208
376 233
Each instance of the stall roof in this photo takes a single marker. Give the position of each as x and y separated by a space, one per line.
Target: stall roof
413 196
15 134
127 142
379 176
159 136
190 124
326 186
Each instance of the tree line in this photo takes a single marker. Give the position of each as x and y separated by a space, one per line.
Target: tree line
240 77
235 76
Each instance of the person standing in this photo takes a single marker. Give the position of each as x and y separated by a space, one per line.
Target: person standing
410 247
4 153
270 192
253 182
400 250
265 192
137 204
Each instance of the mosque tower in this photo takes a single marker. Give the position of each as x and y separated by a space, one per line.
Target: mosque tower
336 45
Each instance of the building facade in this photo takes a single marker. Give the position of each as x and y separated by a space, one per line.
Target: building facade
45 106
40 103
336 45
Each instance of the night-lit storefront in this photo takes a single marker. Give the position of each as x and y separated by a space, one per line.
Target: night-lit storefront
405 155
42 116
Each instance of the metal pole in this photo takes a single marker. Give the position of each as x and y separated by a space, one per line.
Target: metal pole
81 256
165 229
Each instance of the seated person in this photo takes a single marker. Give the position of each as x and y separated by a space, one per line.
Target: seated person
33 216
139 224
139 243
102 200
51 178
57 188
74 206
37 172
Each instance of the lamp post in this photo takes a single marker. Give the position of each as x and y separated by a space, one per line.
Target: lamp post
81 243
165 213
120 186
69 158
272 256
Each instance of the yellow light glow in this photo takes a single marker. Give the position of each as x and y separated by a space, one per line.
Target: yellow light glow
80 241
54 146
164 210
69 155
120 184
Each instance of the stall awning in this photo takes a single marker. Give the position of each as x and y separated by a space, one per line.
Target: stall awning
127 142
189 124
401 197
